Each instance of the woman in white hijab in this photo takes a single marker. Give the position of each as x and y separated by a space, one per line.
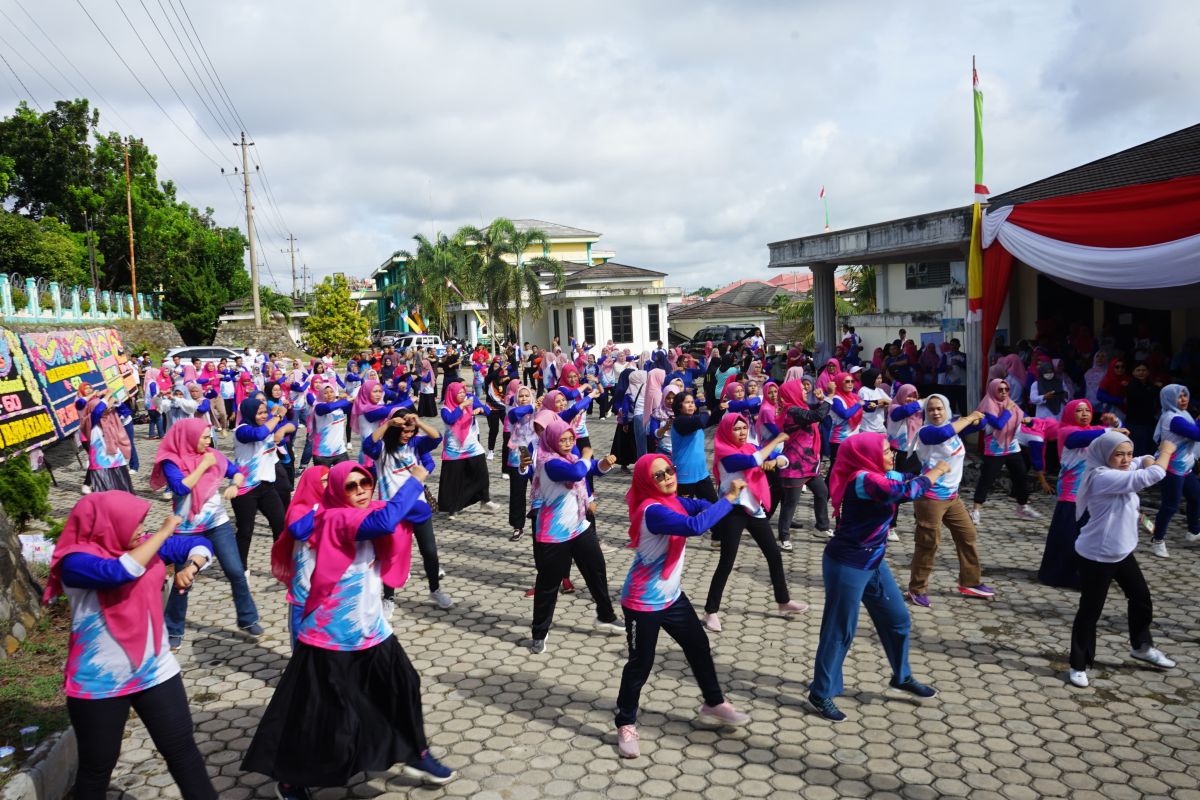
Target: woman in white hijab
1107 496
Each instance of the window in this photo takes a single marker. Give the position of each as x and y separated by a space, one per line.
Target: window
570 323
927 275
557 335
655 333
589 325
622 323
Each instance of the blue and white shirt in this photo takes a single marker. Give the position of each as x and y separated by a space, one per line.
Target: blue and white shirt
646 588
211 515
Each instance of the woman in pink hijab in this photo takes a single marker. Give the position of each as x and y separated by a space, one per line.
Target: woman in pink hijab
349 700
1001 450
829 372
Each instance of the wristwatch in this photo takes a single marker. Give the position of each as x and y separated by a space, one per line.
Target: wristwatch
194 563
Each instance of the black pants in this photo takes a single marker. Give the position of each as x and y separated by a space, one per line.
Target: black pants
605 401
833 451
991 470
163 709
518 489
1095 577
680 622
729 531
702 489
427 546
262 498
505 469
330 461
494 417
283 483
791 499
553 561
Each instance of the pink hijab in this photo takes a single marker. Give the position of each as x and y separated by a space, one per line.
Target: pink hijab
103 524
309 492
824 378
548 449
463 426
724 445
654 393
334 540
992 404
858 454
179 447
906 394
362 402
643 493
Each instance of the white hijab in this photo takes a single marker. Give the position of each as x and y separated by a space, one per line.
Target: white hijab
1098 453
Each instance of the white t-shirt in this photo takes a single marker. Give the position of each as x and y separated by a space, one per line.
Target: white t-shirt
873 421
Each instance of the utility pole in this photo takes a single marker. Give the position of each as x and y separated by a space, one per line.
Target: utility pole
129 215
250 229
292 251
87 224
304 279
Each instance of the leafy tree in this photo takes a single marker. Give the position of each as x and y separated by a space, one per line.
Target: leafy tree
486 248
271 302
522 281
703 291
23 492
426 272
860 288
800 311
334 321
42 248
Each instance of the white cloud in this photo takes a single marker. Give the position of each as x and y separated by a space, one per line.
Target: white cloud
690 134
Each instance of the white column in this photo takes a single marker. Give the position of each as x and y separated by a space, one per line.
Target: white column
472 328
663 328
577 310
882 301
824 313
642 331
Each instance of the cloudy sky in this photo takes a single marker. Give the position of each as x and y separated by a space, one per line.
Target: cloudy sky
690 134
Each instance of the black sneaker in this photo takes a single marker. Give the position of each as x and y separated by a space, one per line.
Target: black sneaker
911 686
538 647
825 707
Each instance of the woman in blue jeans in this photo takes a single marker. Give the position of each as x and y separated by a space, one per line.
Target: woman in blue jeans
187 464
1177 426
865 492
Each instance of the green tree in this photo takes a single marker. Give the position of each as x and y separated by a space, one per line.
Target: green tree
334 321
486 248
42 248
426 272
703 291
860 288
271 303
800 311
521 287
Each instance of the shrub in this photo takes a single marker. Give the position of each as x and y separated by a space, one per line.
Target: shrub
85 304
45 300
23 492
20 299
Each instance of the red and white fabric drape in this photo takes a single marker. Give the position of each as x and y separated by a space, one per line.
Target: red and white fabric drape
1143 238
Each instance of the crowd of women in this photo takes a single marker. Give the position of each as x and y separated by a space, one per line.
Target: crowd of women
343 524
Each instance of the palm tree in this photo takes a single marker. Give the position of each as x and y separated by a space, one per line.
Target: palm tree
426 273
523 280
800 311
860 287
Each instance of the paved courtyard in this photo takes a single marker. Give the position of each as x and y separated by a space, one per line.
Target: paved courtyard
515 725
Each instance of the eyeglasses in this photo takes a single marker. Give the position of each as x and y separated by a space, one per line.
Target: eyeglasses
363 483
663 474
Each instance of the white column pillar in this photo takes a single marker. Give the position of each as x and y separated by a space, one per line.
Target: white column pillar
824 313
642 323
577 311
882 301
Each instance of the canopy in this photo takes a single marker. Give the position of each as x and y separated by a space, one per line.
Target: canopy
1137 244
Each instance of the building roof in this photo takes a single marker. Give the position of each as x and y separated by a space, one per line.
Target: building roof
711 309
609 270
1160 159
553 230
801 282
751 294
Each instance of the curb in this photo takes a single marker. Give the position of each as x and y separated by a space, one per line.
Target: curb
49 773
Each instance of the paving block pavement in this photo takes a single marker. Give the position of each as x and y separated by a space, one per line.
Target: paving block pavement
514 725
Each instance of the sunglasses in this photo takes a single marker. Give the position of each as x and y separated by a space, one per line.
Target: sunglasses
362 483
663 474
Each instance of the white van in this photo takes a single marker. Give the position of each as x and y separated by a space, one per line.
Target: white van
420 341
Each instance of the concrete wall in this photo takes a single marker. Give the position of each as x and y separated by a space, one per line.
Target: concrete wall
19 595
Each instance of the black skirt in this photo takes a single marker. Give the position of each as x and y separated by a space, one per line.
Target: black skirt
335 714
109 479
464 482
1060 564
624 446
427 406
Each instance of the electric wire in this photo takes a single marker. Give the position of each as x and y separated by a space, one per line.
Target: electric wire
28 93
29 64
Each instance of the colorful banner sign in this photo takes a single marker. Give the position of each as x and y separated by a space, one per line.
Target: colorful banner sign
25 422
106 343
62 360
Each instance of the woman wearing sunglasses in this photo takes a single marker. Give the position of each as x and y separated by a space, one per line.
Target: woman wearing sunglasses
350 700
659 523
1001 450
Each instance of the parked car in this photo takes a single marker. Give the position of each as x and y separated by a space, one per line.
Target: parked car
388 338
205 353
730 334
421 341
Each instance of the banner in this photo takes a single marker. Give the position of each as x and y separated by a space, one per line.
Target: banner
105 343
62 360
25 422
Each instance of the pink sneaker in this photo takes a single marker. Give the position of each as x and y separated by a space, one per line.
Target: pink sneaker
724 714
627 741
712 622
793 607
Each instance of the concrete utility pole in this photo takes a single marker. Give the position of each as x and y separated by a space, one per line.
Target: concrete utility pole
292 251
129 216
250 229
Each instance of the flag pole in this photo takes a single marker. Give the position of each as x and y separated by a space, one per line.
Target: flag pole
976 358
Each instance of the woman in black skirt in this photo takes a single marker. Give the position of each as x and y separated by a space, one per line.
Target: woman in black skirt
624 446
426 382
464 465
349 700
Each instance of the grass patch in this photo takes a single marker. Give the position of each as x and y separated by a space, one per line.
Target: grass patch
31 681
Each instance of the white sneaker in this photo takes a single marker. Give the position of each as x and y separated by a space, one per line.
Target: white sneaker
974 515
1025 512
1158 547
490 455
441 599
1152 655
1191 537
1078 677
828 534
389 608
491 505
892 535
503 476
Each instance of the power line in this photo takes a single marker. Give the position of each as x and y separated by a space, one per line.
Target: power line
29 64
227 126
163 73
38 50
149 94
71 64
28 93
